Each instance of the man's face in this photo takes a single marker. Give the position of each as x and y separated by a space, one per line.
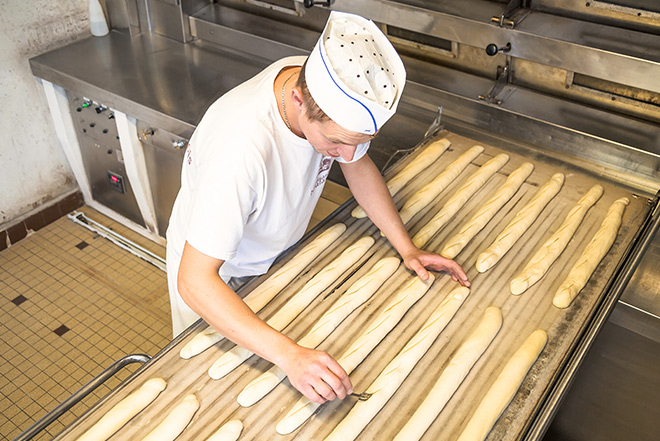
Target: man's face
330 139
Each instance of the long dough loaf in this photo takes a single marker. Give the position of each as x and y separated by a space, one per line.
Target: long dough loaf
265 292
390 379
176 421
456 244
549 252
592 255
358 293
229 431
456 202
519 224
504 388
424 196
296 304
378 328
123 411
452 376
421 162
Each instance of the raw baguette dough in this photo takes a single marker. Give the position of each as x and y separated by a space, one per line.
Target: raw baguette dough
424 196
358 293
421 162
456 202
519 224
389 380
229 431
504 388
377 329
123 411
452 376
549 252
296 304
456 244
265 292
176 421
592 255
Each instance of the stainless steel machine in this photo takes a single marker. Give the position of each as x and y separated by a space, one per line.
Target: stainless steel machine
561 84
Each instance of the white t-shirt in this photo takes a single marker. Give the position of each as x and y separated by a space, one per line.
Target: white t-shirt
248 185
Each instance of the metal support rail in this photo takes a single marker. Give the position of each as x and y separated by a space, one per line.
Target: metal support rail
551 404
81 393
118 239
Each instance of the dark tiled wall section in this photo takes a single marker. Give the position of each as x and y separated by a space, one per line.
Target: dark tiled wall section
40 219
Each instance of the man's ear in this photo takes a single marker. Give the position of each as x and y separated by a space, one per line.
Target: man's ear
296 98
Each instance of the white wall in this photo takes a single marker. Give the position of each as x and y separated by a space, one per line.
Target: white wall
33 168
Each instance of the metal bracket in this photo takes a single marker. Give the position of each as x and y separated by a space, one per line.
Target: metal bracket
503 74
310 3
514 13
435 126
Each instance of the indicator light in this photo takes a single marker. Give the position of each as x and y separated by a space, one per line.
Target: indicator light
116 182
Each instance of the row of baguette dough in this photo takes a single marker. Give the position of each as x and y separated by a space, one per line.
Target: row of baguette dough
168 429
600 244
544 257
382 389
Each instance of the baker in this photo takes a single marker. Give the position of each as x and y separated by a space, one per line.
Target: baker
253 172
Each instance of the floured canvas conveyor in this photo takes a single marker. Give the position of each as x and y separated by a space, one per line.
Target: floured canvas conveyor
522 315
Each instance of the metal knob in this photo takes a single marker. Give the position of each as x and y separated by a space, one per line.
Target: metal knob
178 145
492 49
310 3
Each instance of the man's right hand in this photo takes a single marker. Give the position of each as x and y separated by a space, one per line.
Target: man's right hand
316 374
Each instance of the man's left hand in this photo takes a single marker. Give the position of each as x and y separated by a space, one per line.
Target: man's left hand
420 261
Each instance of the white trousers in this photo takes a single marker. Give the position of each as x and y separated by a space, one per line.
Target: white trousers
182 315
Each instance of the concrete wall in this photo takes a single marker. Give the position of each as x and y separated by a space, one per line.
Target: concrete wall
33 168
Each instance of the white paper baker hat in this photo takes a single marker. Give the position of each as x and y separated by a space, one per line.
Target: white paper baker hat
354 73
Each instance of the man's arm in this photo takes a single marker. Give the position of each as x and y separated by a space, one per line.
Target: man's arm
314 373
370 191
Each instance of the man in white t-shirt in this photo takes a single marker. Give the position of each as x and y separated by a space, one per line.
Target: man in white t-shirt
252 175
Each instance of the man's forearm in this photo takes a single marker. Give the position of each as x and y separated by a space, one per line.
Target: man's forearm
370 191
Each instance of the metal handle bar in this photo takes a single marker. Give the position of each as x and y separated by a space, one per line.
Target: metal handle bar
81 393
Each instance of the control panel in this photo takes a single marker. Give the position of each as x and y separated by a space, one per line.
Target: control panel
102 156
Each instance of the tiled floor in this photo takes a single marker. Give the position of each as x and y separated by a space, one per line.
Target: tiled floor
72 303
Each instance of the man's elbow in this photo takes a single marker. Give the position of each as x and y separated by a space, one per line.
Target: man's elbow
186 287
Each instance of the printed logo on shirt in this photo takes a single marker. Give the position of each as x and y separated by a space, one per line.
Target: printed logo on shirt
189 155
322 175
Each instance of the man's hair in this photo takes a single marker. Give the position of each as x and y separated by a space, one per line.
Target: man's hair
313 111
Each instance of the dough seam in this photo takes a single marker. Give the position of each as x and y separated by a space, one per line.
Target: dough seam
503 194
296 304
376 331
427 157
519 224
473 184
593 253
397 370
551 249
